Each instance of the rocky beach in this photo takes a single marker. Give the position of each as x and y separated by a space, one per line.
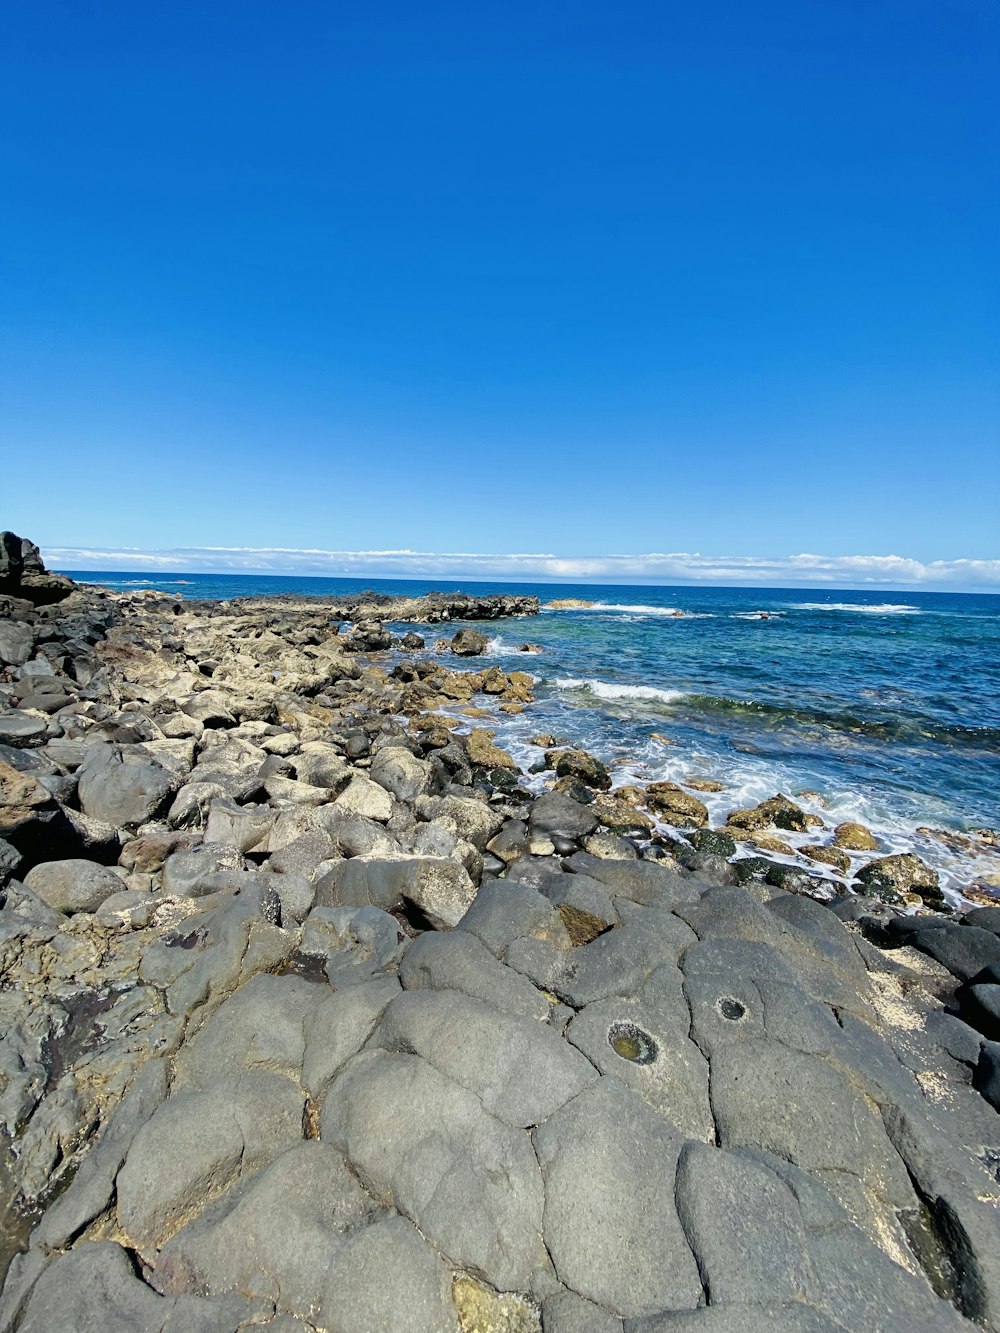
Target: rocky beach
320 1012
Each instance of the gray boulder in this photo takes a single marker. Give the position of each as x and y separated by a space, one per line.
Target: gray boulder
439 887
277 1235
743 1223
459 961
197 1144
118 791
356 943
471 1184
211 708
611 1226
16 642
364 797
519 1068
400 772
560 814
644 1044
359 1299
338 1028
469 643
259 1027
94 1289
186 873
74 885
798 1107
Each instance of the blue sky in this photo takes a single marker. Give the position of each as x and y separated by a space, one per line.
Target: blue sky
576 279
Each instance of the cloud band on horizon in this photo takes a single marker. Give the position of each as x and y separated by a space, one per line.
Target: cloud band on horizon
890 571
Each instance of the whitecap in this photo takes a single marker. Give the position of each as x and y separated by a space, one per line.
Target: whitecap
875 609
637 608
603 690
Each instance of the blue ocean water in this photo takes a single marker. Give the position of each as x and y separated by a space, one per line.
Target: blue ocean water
886 706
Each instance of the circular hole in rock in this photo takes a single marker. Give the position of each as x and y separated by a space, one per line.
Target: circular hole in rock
731 1009
632 1044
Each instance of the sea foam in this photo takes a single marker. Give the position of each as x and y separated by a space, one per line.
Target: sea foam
603 690
877 609
632 608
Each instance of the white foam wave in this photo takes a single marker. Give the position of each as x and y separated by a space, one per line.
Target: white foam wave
756 615
636 608
877 609
603 690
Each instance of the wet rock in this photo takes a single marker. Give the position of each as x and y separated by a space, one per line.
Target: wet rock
980 1007
898 875
987 1074
580 765
484 754
621 816
986 918
855 837
831 856
964 950
712 842
777 812
556 813
469 643
770 842
676 805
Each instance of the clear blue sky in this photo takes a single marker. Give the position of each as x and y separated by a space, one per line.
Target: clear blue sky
575 278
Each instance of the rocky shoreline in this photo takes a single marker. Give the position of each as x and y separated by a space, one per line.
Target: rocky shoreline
315 1016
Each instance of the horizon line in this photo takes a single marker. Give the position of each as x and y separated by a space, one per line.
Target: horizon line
676 569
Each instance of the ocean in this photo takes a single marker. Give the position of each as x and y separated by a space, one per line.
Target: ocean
884 707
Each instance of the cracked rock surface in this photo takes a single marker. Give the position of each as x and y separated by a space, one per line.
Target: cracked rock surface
285 1045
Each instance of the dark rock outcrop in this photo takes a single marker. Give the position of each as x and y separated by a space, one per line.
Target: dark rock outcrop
24 576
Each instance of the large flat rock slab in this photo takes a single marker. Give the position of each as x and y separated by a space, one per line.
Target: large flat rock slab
419 1141
611 1226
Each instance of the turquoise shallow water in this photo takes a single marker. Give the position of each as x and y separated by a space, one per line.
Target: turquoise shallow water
886 705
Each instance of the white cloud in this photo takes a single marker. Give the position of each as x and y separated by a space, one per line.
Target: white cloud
810 571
